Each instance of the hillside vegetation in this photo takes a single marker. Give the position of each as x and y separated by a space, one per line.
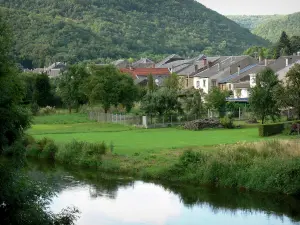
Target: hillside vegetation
74 30
252 21
272 29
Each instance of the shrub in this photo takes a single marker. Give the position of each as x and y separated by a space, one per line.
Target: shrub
49 151
82 153
202 124
227 122
266 130
47 110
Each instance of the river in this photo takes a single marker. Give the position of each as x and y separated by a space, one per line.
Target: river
119 200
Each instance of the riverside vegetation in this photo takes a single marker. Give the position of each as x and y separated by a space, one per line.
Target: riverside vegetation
267 166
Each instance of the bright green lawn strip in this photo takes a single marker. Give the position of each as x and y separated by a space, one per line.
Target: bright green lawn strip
62 119
140 140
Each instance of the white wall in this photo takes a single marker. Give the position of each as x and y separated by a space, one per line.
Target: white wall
252 80
244 93
202 83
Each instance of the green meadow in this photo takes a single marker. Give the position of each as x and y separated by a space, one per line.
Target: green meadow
128 140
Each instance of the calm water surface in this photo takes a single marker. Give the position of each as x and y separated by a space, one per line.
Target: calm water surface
110 200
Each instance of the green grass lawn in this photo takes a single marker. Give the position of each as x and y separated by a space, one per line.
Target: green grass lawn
129 140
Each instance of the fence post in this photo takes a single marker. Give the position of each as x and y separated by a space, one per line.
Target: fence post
239 113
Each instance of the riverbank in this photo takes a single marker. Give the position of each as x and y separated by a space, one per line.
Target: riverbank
268 166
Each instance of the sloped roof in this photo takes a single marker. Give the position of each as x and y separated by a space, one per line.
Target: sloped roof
168 59
135 72
235 75
253 70
144 60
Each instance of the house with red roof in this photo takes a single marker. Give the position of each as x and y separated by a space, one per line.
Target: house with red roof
140 75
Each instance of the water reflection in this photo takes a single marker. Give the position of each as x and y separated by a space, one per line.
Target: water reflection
106 199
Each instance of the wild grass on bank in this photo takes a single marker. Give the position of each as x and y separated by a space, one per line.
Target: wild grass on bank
272 166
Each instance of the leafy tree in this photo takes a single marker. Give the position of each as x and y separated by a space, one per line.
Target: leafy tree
172 82
161 102
42 90
193 103
263 99
109 87
292 90
295 44
283 47
151 84
14 117
70 84
216 100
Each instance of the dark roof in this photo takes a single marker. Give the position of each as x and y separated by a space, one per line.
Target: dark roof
255 69
235 75
280 63
143 63
224 63
170 58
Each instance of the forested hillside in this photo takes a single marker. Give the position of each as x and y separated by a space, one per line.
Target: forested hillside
252 21
74 30
272 29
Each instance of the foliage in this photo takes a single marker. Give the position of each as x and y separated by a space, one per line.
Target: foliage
283 46
172 82
151 84
81 153
74 118
263 99
108 86
227 122
268 167
42 90
72 31
192 102
292 90
14 117
266 130
70 86
271 29
47 110
164 101
202 124
216 100
253 21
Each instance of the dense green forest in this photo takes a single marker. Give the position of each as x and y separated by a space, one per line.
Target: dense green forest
252 21
74 30
272 29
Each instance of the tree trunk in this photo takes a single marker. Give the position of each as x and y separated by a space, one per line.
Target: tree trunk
70 109
262 119
105 111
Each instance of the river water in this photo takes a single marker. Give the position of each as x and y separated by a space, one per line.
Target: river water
113 200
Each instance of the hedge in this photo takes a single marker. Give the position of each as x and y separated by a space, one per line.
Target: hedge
266 130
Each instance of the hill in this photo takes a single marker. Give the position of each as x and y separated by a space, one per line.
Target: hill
73 30
252 21
272 29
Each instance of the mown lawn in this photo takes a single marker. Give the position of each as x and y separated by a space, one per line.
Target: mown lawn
128 140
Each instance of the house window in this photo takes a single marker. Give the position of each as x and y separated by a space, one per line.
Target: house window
214 83
229 86
204 83
198 84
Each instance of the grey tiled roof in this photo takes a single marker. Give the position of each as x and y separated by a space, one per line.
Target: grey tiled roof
256 69
170 57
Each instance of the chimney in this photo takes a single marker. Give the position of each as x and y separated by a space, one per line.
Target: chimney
204 61
239 70
266 62
287 62
196 68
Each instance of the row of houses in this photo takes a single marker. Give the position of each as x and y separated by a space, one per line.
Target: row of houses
234 73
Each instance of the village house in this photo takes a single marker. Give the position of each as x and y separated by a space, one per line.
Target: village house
140 75
53 70
242 82
186 68
222 68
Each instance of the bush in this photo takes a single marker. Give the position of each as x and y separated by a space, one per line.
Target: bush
47 110
202 124
266 130
227 122
49 151
81 153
